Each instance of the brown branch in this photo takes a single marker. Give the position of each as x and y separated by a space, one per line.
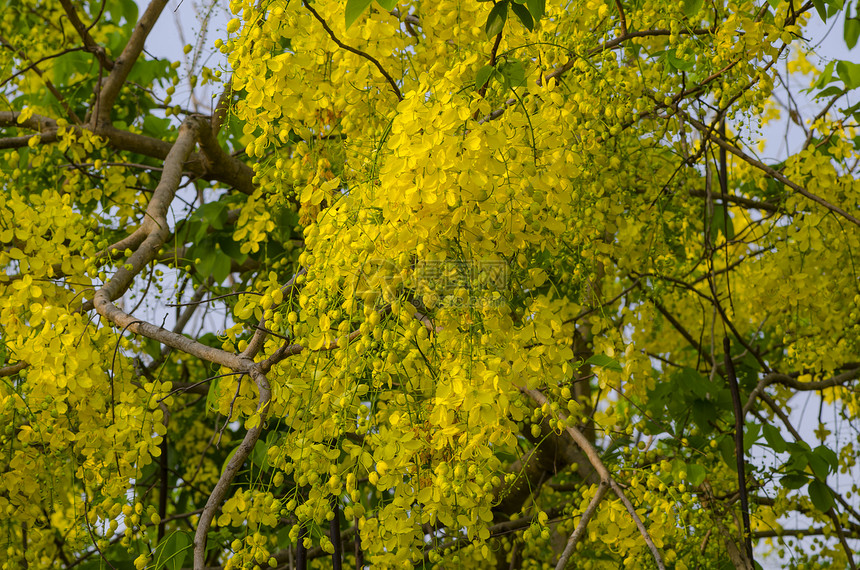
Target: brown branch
740 461
123 64
482 91
773 173
357 52
89 43
21 142
233 466
156 229
259 337
591 453
794 383
739 200
212 164
579 531
221 164
621 17
13 369
840 532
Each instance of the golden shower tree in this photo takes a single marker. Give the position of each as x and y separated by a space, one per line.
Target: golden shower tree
449 284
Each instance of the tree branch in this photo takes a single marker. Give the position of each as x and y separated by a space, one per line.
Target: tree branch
213 163
89 43
357 52
591 453
794 383
579 531
122 66
773 173
233 466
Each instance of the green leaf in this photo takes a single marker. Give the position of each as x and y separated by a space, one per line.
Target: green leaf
215 213
828 455
604 361
821 8
523 14
829 92
692 380
207 260
220 266
818 465
513 72
820 496
354 9
773 4
170 552
721 224
483 76
696 474
212 395
798 459
497 18
727 452
849 73
692 7
851 32
388 5
704 413
826 75
231 248
129 12
537 8
751 435
774 438
679 63
794 480
155 126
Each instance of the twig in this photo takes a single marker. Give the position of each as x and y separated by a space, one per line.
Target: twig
357 52
89 43
840 532
579 531
591 453
794 383
773 173
739 446
621 18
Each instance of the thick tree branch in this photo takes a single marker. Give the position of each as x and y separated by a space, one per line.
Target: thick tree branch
156 229
233 466
213 163
126 60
